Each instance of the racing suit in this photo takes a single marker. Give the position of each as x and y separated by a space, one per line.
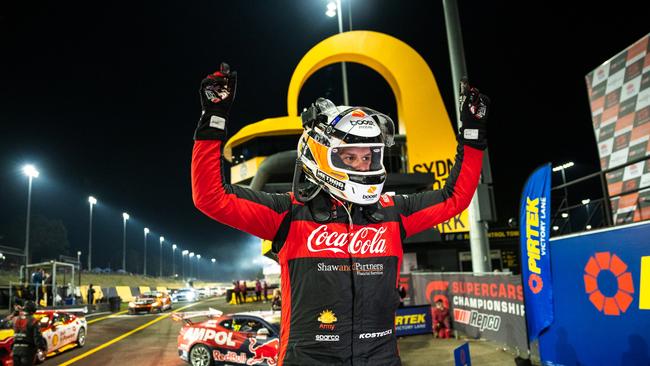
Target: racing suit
339 279
27 340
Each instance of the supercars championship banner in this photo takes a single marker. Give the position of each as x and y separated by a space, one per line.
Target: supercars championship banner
601 294
619 95
534 216
486 306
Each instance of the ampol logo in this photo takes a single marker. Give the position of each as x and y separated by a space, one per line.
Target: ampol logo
608 283
372 189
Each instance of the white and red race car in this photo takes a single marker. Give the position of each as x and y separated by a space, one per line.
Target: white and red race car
242 338
62 330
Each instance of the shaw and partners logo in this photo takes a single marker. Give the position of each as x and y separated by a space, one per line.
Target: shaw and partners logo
535 240
366 240
609 284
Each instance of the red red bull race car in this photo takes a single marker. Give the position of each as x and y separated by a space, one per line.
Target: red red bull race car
62 329
241 338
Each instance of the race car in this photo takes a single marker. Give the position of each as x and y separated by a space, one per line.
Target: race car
244 338
185 294
62 330
150 302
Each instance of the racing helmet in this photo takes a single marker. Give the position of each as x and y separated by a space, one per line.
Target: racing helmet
341 150
30 307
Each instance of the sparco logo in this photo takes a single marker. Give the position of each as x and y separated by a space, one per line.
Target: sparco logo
327 337
331 181
366 240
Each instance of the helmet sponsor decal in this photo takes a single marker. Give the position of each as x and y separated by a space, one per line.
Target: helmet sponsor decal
362 122
330 181
358 113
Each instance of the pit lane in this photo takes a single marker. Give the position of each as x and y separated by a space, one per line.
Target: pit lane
143 339
123 339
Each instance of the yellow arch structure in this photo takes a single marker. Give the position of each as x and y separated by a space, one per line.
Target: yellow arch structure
422 115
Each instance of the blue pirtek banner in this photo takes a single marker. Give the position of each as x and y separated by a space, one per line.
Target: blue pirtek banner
534 218
413 320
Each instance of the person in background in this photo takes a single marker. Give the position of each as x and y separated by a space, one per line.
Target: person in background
37 282
90 295
235 289
242 290
258 291
47 285
265 288
441 325
402 295
27 336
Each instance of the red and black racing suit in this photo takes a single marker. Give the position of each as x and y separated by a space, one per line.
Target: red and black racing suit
27 340
339 283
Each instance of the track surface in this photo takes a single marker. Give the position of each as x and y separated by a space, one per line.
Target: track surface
112 340
150 340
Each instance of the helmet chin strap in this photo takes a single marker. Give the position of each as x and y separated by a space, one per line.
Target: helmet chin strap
345 208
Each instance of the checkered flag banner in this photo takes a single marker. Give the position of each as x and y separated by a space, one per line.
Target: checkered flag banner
619 94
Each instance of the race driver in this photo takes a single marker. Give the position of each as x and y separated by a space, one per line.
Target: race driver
338 239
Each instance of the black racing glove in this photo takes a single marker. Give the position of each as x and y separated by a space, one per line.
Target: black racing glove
473 115
217 94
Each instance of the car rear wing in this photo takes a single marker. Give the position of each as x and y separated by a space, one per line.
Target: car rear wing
187 315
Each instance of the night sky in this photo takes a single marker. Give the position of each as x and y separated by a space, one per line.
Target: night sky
103 98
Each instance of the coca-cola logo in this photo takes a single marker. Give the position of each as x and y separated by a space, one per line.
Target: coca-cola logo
366 240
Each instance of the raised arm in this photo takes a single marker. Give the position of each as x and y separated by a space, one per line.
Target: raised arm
257 213
425 210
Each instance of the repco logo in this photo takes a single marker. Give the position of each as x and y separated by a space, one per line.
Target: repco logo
366 240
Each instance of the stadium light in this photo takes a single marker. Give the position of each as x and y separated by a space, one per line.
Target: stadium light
162 239
586 201
331 9
144 268
125 218
334 9
565 215
31 172
91 202
173 265
563 166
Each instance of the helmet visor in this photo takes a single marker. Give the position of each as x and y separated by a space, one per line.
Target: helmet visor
357 158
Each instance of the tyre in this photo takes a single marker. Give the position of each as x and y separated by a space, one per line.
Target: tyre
81 337
200 355
39 358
